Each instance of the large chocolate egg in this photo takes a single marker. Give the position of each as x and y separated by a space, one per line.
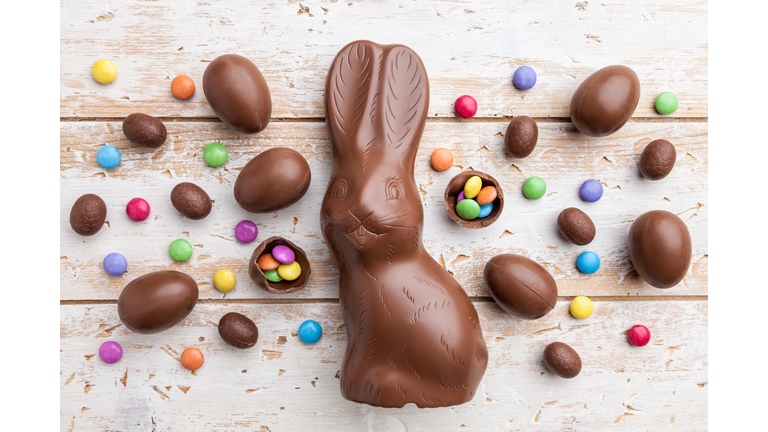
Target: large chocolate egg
88 214
660 248
605 101
238 93
274 179
520 285
156 301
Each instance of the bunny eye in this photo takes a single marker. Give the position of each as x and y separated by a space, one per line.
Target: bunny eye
394 189
340 190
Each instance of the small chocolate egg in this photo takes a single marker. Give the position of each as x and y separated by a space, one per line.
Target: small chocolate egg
660 248
576 226
278 285
238 330
521 136
272 180
520 286
191 200
605 101
88 215
144 130
658 159
156 301
562 360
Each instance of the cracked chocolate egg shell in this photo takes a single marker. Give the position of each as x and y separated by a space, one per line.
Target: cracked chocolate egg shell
144 130
191 200
456 186
562 360
521 136
658 159
660 248
272 180
238 330
576 226
605 101
520 286
156 301
258 277
88 214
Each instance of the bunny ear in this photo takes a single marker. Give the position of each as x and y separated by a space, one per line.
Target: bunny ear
406 97
347 89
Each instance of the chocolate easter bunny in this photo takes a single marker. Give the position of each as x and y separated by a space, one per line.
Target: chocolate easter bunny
413 334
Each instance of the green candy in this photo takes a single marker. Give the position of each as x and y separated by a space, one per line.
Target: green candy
180 250
272 276
215 154
534 188
666 103
468 209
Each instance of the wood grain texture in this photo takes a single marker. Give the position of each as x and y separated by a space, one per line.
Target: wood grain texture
467 47
563 157
282 384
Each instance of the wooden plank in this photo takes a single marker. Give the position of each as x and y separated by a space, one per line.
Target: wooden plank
563 158
283 384
467 47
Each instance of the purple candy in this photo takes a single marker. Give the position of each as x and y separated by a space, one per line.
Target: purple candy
115 264
460 197
591 191
110 352
246 231
524 77
283 254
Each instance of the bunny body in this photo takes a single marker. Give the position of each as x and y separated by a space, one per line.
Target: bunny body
413 334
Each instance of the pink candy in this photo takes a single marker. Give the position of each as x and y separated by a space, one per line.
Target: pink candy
137 209
465 106
639 335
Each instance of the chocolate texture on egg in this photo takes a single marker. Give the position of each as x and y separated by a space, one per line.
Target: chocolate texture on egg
284 286
413 335
605 101
238 93
660 248
576 226
521 136
272 180
456 186
191 200
658 159
520 285
562 360
157 301
88 214
238 330
144 130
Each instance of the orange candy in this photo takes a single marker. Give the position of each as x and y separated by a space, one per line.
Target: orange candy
442 159
268 262
192 359
486 195
183 87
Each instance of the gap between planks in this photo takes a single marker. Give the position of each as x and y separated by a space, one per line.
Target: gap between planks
429 119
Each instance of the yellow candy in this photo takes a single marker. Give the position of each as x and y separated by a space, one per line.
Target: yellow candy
290 271
581 307
224 280
472 187
104 71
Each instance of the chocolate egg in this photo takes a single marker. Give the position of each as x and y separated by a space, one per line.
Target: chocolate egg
576 226
237 93
191 200
260 279
456 186
660 248
238 330
658 159
521 137
144 130
156 301
272 180
520 286
562 360
88 214
605 101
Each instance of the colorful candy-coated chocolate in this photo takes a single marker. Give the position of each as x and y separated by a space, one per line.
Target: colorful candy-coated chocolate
183 87
485 210
534 188
666 103
192 359
524 77
441 159
460 197
588 262
215 154
137 209
465 106
290 271
486 195
224 280
246 231
639 335
110 352
180 250
104 71
272 276
108 156
283 254
310 331
468 209
581 307
268 262
591 190
115 264
473 186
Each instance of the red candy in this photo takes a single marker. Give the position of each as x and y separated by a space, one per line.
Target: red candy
639 335
137 209
465 106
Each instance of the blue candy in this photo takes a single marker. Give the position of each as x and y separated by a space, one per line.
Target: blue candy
591 191
108 156
115 264
485 210
310 331
588 262
524 77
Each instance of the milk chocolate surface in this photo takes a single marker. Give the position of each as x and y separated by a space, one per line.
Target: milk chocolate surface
157 301
521 136
456 186
88 214
260 279
191 200
658 159
520 286
144 130
238 330
660 248
576 226
272 180
562 360
413 334
605 101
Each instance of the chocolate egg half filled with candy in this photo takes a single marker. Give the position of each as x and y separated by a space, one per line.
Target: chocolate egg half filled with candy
520 285
660 248
605 101
272 180
157 301
456 187
283 286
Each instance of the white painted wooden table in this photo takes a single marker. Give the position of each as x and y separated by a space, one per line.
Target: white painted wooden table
468 48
